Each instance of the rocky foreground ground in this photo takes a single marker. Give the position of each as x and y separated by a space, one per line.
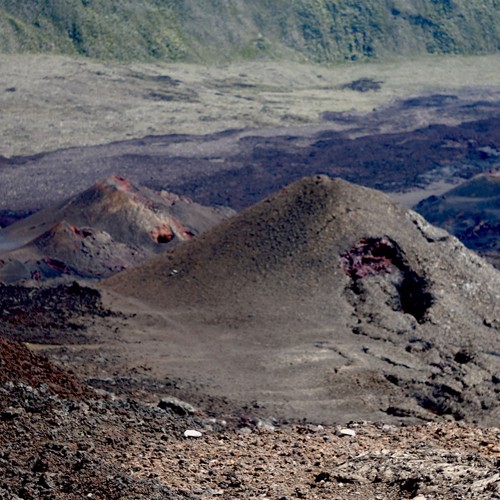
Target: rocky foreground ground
62 439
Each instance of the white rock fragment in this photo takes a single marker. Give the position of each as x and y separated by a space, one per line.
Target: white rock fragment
317 428
346 432
481 484
388 428
265 426
190 433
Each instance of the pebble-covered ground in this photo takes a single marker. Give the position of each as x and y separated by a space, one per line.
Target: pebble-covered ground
59 439
380 461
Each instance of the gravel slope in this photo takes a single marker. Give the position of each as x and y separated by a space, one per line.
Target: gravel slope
82 444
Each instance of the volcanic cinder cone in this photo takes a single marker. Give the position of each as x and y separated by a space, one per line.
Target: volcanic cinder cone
329 302
105 229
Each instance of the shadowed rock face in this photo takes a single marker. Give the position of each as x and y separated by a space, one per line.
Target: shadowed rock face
471 212
374 256
100 231
327 301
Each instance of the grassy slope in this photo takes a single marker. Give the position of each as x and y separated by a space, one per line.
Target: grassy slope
318 30
127 30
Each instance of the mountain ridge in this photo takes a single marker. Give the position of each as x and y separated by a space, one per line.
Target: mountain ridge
323 31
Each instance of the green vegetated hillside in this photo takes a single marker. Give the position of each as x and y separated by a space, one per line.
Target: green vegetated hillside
318 30
123 30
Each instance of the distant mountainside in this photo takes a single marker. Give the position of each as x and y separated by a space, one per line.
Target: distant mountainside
318 30
471 212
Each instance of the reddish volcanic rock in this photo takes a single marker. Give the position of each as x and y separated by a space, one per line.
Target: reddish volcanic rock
163 234
370 256
19 364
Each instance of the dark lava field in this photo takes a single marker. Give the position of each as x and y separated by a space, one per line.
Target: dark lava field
402 147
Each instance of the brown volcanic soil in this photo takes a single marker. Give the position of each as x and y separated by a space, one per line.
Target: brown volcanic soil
56 434
86 445
422 363
20 365
327 302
